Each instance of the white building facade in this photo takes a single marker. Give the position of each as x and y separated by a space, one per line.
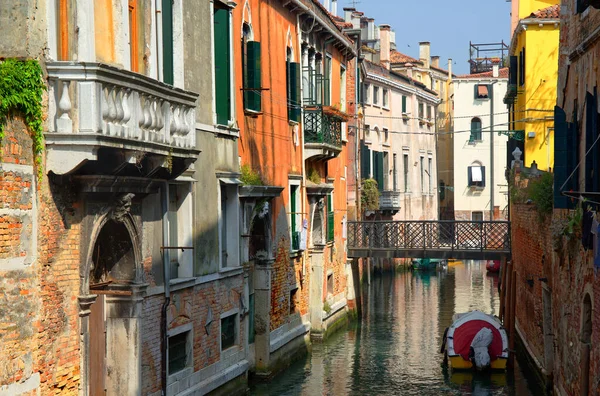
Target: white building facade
480 138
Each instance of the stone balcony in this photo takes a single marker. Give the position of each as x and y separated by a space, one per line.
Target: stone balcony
112 121
389 201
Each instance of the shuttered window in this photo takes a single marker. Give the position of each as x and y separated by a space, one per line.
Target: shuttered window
561 169
403 104
476 176
378 169
330 219
252 80
222 66
365 161
167 39
591 134
475 130
293 90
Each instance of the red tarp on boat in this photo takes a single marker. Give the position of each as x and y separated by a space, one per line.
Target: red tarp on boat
464 334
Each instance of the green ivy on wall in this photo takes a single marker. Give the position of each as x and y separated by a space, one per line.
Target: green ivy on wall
21 89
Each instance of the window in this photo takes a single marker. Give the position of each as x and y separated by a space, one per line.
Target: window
167 41
179 352
522 67
395 171
475 130
481 91
422 159
180 230
63 30
367 89
405 160
293 293
429 173
330 218
330 283
293 87
343 87
365 161
404 104
385 98
295 216
429 113
476 176
133 35
229 223
378 171
327 81
421 111
251 70
228 331
375 96
477 216
251 310
386 135
367 132
222 55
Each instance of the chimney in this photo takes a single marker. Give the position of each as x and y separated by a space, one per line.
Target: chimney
495 68
334 7
326 4
355 20
384 45
450 69
348 11
409 70
370 29
424 53
435 61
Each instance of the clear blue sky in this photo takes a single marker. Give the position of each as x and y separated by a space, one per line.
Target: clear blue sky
448 25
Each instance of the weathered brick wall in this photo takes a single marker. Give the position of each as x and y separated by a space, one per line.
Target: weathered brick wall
280 284
529 250
570 274
39 329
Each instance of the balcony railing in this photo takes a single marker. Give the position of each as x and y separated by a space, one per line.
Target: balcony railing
389 201
122 107
322 128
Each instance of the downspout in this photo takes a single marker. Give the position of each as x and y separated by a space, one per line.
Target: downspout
164 201
491 93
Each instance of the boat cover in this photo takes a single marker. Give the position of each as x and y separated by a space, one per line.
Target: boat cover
480 345
465 334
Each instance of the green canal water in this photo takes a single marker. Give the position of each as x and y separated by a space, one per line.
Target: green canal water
394 350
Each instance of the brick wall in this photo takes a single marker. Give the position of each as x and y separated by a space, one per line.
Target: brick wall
569 271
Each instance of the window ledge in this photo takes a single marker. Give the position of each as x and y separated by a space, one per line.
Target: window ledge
181 283
252 113
296 253
226 130
230 270
385 144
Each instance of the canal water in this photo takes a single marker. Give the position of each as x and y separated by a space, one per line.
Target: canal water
394 350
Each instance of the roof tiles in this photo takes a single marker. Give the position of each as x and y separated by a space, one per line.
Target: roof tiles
552 12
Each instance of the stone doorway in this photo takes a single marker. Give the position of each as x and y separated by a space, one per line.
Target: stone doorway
113 340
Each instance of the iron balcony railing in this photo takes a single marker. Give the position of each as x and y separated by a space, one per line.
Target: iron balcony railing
389 200
488 236
316 88
322 128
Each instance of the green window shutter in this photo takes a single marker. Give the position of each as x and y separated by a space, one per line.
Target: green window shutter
222 66
252 94
330 219
378 162
167 30
365 161
403 104
288 89
293 82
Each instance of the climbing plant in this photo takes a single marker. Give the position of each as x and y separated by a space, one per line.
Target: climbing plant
21 90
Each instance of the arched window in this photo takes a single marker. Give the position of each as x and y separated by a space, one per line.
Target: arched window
475 130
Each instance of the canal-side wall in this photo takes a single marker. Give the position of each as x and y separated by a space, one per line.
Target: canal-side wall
556 292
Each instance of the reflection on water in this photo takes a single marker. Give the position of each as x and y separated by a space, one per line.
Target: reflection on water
396 347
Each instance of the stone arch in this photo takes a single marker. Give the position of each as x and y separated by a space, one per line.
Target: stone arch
127 221
260 232
289 56
317 229
247 22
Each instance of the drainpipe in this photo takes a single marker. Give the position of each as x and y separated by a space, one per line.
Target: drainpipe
164 201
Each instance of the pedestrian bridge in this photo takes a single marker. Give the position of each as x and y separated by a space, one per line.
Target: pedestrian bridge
442 239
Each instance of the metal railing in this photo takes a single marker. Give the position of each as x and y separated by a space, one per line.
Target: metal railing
322 128
389 200
418 237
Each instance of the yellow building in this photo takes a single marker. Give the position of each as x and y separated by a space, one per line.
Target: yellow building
533 79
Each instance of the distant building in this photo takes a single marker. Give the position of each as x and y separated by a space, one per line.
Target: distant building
480 190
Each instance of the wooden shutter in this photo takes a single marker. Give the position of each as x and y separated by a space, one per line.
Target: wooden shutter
252 93
514 61
293 89
469 176
561 172
403 104
591 160
167 39
378 169
222 66
365 161
330 219
483 176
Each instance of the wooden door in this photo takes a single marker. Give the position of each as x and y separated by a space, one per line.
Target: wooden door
97 328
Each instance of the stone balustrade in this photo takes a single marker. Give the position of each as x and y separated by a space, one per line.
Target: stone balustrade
96 98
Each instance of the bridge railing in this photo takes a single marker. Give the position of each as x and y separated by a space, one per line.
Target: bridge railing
430 235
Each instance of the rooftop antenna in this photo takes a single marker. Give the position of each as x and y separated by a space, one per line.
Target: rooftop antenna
354 3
